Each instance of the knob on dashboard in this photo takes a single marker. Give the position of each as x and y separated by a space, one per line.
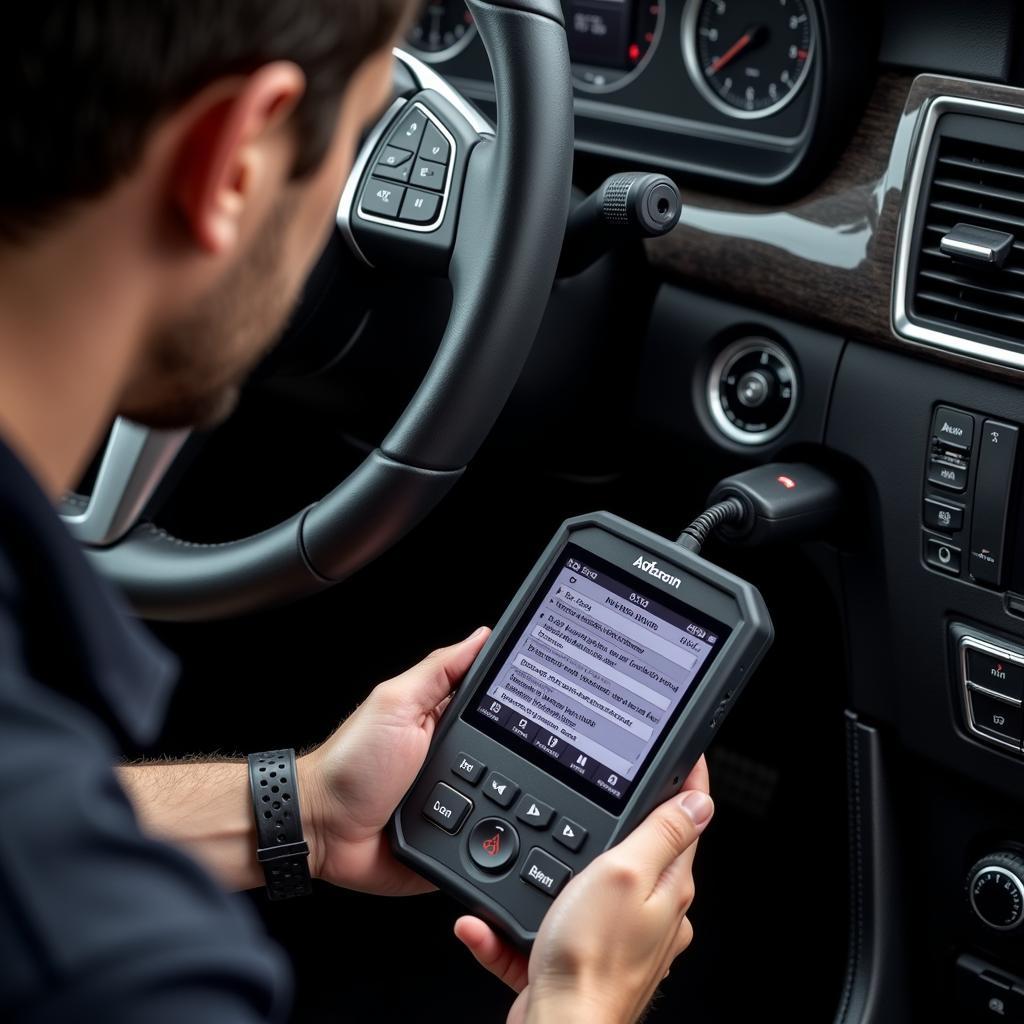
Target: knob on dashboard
752 390
995 890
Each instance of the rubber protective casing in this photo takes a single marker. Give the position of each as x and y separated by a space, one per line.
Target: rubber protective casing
506 902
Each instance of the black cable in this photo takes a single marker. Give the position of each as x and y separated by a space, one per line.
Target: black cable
729 511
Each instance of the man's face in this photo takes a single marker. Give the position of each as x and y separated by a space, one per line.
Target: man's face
194 366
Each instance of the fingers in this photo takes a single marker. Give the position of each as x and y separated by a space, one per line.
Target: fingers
699 777
666 834
503 961
426 684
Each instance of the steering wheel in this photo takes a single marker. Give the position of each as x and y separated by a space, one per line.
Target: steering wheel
436 187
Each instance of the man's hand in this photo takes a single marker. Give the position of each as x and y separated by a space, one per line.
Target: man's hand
611 936
350 786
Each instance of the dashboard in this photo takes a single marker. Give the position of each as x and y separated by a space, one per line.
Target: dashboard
845 286
739 91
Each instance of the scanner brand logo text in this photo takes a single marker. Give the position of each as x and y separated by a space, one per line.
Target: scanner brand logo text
651 568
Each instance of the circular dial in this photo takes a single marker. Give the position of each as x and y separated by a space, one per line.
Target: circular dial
610 41
995 889
443 28
752 391
749 58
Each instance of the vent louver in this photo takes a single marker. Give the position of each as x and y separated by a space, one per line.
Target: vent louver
981 185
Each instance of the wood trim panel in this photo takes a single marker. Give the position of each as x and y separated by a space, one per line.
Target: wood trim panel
827 257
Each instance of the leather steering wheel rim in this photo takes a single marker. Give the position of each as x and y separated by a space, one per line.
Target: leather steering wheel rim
511 223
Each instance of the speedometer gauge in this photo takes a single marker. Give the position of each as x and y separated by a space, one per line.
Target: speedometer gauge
443 28
749 58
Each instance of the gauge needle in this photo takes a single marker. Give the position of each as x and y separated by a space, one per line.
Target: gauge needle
738 47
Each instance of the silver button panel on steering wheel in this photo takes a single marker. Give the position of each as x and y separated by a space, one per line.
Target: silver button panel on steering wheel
410 177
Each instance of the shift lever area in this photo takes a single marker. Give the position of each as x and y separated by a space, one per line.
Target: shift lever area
628 206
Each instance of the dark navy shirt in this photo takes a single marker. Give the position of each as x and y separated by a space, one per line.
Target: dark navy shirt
97 921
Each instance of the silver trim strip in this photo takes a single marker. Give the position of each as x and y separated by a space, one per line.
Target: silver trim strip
996 869
428 78
696 72
136 459
348 196
969 248
902 326
722 362
394 222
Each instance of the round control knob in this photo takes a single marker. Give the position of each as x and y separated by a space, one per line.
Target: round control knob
995 889
752 390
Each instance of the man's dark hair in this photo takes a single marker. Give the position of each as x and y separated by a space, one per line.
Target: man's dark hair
83 82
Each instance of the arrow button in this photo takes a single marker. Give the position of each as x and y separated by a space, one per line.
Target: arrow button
434 145
534 813
569 834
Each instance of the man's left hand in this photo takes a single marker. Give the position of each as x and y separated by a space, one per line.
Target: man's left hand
352 783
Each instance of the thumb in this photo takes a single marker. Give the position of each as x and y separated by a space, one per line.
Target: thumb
666 833
427 683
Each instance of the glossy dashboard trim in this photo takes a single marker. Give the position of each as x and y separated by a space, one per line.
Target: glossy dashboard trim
828 257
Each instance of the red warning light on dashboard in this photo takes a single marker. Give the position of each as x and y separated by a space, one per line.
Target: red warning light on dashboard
787 481
634 51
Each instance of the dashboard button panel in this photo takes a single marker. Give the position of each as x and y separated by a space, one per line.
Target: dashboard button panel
942 555
970 480
942 515
990 675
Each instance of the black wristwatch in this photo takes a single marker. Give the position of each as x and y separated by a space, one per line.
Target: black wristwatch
280 847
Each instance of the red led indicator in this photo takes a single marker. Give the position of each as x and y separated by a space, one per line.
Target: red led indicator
634 51
787 481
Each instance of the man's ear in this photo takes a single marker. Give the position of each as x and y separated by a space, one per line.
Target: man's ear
234 151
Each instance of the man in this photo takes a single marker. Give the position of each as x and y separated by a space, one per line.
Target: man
170 171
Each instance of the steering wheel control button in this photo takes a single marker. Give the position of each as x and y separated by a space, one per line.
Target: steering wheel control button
501 790
427 174
447 808
493 845
408 134
942 555
395 157
382 198
470 768
953 429
998 674
543 872
534 813
995 717
940 515
420 207
401 172
569 834
434 146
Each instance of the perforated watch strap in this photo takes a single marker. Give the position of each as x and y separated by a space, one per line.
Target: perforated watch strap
280 846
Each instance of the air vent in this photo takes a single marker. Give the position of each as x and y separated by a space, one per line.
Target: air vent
959 275
981 186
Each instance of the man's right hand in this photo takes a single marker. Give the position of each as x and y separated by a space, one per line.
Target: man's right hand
611 936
